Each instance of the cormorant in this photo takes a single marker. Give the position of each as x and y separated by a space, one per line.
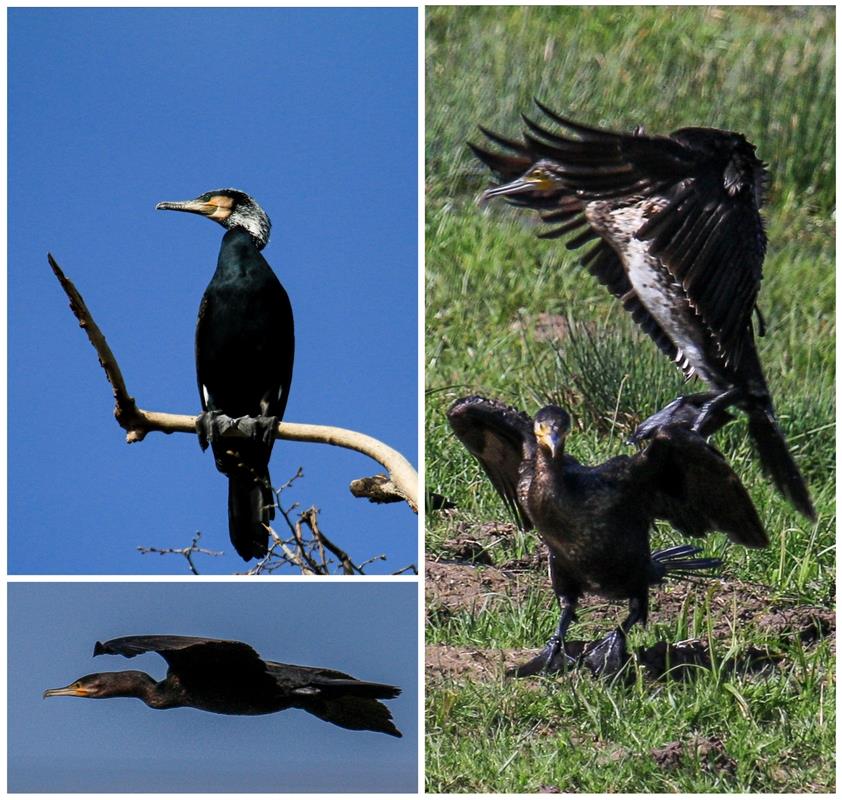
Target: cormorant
245 344
227 677
679 240
595 520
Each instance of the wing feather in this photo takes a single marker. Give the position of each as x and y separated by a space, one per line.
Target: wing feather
501 439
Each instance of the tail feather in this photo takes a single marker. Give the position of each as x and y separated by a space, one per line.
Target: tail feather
250 509
777 460
678 562
351 704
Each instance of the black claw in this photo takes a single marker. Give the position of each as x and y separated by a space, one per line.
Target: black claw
206 427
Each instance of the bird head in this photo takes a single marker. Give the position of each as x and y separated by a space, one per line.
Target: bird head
540 177
551 426
231 208
104 684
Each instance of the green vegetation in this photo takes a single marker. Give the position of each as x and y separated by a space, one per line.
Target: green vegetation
493 288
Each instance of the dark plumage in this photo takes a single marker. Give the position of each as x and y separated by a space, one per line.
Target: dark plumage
679 240
245 345
596 520
228 677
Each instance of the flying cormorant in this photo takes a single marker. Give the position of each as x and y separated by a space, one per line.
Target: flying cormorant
245 344
679 240
228 677
596 520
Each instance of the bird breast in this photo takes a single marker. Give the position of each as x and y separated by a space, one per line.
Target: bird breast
661 294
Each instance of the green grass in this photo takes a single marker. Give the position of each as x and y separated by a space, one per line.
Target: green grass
767 72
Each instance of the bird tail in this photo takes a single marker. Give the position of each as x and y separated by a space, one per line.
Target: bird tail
352 704
680 562
251 506
776 459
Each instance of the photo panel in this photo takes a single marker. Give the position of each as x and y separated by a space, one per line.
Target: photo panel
305 118
314 685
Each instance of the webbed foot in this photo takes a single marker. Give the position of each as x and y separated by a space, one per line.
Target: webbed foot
261 428
553 658
208 426
608 656
705 413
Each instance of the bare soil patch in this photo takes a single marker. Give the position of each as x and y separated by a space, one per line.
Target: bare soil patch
455 587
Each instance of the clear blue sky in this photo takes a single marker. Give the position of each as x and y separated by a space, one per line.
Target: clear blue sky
68 744
313 113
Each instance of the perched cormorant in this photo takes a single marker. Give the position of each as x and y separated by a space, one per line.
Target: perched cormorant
245 343
679 240
228 677
596 520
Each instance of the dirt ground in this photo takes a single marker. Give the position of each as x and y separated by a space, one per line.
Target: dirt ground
453 586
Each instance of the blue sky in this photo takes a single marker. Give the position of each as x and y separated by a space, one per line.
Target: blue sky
312 112
70 744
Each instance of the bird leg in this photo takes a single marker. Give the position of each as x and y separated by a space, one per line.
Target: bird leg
609 655
554 657
704 413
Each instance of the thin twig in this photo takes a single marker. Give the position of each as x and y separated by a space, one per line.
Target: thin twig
187 552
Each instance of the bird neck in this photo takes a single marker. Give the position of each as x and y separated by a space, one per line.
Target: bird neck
546 458
238 253
131 683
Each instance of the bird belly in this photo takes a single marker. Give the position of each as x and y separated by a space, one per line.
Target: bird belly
661 294
608 560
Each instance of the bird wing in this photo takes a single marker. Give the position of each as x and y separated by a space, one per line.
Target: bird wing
501 439
709 234
689 483
565 210
192 655
200 322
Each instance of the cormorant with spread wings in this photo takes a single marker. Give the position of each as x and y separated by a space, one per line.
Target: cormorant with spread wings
679 241
595 520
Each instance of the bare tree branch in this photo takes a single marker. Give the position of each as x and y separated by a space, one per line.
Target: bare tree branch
187 552
311 554
403 479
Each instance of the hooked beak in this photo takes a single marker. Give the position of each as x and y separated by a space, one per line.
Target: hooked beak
66 691
526 183
549 437
193 206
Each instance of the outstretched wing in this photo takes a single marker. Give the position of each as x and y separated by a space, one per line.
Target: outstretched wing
501 439
707 231
194 658
565 210
690 484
